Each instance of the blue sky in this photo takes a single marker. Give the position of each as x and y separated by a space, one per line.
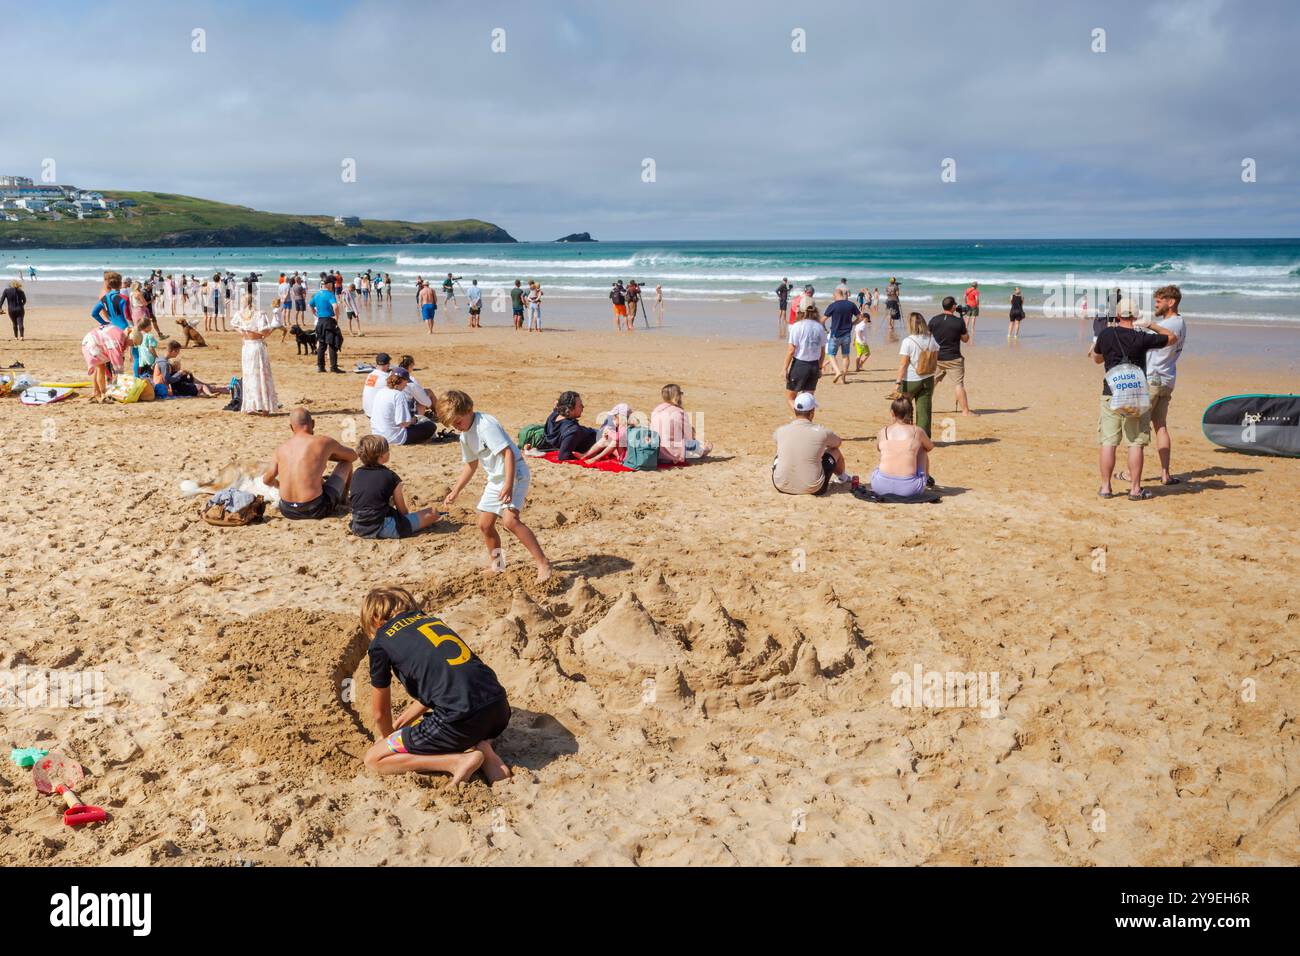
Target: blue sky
749 138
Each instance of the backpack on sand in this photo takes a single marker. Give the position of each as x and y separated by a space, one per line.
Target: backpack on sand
642 449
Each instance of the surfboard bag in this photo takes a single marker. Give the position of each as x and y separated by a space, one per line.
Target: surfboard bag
1255 424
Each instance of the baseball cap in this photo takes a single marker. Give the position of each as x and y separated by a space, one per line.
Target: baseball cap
1127 308
805 402
383 358
401 373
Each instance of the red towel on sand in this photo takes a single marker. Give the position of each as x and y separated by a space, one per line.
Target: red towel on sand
605 464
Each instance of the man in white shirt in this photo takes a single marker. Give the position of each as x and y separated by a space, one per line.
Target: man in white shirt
1161 371
391 417
375 380
803 359
475 296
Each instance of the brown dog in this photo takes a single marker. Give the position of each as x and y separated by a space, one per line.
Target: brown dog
191 335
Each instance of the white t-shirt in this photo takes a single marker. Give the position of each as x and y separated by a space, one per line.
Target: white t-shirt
1162 363
808 337
912 347
388 410
485 441
374 382
860 332
418 393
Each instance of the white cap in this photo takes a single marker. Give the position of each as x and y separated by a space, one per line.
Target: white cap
1127 307
805 402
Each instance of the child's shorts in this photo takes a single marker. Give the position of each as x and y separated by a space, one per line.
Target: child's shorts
432 735
389 528
862 349
491 500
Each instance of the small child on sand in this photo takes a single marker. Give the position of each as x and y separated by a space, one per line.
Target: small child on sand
458 707
613 435
861 349
483 439
377 497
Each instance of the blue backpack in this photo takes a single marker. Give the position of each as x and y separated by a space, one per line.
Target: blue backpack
642 449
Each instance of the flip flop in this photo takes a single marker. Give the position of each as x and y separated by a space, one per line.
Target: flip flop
1143 495
1172 481
1122 476
1105 494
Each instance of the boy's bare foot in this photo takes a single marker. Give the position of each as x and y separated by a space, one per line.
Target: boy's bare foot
543 572
466 764
494 768
493 568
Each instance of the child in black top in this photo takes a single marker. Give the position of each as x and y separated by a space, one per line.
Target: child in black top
378 502
458 706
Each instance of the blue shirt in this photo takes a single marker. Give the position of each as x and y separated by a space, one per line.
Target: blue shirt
323 304
841 312
116 310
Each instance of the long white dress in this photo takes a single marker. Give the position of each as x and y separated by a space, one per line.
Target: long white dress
258 387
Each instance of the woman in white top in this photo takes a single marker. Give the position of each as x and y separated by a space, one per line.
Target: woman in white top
257 387
920 357
391 417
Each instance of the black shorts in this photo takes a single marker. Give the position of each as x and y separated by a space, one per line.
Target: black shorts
322 506
803 376
892 306
432 735
828 469
1017 315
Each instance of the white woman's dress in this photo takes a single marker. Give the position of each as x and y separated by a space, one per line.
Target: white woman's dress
257 385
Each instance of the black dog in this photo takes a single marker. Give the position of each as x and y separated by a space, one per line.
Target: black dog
306 340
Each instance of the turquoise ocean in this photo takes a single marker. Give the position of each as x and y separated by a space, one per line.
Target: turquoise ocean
1228 281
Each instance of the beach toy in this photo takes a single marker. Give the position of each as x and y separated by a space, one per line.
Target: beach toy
57 773
26 756
64 384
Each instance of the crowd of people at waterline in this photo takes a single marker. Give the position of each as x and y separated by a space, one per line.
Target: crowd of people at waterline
1139 355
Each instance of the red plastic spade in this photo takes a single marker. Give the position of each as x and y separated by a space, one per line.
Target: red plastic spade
56 773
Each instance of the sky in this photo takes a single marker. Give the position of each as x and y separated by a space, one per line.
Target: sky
750 137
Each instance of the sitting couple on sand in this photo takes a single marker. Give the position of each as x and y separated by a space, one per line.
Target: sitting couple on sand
564 433
809 460
374 492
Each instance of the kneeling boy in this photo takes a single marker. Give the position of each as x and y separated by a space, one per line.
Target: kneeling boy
458 707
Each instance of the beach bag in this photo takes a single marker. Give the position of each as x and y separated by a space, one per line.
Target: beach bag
642 449
127 389
534 435
1130 395
218 515
236 402
928 359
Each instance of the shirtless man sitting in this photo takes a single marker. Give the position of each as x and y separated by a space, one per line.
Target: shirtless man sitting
298 464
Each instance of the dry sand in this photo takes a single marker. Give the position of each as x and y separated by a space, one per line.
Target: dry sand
688 689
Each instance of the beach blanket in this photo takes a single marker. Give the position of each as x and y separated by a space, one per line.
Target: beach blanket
605 464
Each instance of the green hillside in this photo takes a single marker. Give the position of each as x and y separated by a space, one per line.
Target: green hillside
167 220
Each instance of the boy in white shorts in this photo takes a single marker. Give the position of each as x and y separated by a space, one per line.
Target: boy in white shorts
482 439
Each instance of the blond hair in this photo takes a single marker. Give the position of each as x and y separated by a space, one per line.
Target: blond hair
113 279
672 394
371 448
452 405
383 604
916 324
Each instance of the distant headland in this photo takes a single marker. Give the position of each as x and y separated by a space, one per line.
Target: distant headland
41 216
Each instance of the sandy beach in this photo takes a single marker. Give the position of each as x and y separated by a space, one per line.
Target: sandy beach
709 676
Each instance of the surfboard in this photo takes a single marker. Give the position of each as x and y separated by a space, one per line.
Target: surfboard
64 384
1255 424
42 395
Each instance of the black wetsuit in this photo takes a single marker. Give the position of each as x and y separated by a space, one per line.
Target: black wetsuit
14 302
